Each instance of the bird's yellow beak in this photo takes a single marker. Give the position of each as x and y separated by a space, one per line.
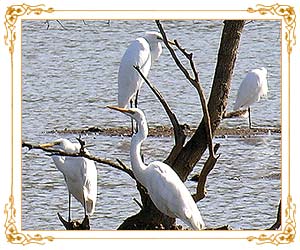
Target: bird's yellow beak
122 110
48 145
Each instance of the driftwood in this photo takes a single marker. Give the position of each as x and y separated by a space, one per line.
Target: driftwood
75 224
237 113
277 223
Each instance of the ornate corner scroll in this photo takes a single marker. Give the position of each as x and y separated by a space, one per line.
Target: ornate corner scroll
289 231
12 14
11 231
289 16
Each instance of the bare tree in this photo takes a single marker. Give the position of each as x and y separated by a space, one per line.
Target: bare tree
184 155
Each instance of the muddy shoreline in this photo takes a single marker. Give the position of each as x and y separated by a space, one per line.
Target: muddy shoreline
166 131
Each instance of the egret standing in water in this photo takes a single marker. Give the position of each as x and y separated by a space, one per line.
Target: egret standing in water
165 188
142 52
80 174
251 89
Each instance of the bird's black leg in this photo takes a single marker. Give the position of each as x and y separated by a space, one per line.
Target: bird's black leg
48 24
136 99
132 130
69 217
85 225
136 105
84 206
249 116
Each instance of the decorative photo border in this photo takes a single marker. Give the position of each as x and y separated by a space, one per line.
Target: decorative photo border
14 235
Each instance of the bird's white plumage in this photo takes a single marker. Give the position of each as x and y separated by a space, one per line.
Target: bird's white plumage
252 88
165 188
142 52
170 195
80 174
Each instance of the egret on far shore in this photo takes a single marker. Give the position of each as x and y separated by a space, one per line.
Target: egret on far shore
251 89
164 186
80 174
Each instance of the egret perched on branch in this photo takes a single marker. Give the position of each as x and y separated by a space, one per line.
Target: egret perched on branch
251 89
142 52
165 188
80 174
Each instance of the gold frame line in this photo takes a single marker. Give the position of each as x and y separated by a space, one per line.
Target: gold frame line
11 17
12 14
289 17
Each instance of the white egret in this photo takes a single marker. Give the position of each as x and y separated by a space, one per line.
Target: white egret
165 188
80 174
251 89
142 52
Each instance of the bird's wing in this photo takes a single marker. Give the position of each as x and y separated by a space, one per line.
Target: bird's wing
90 186
59 162
249 91
129 80
168 192
75 172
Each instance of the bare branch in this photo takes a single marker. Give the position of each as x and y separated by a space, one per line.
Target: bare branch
173 54
178 129
83 153
208 166
277 224
137 202
59 22
124 168
194 81
189 56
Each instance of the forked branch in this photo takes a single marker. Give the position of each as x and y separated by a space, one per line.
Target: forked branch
179 132
208 166
193 80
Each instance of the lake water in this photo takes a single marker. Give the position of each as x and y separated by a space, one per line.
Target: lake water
69 76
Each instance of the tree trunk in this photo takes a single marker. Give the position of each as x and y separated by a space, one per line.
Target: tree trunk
196 146
186 158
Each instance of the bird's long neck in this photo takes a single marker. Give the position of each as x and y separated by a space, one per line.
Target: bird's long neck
67 147
155 52
137 164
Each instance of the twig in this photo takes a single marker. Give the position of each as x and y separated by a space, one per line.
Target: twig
82 144
59 22
277 224
251 21
208 166
194 81
139 204
82 153
178 129
126 169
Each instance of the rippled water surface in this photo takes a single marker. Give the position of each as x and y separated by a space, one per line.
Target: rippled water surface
69 76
